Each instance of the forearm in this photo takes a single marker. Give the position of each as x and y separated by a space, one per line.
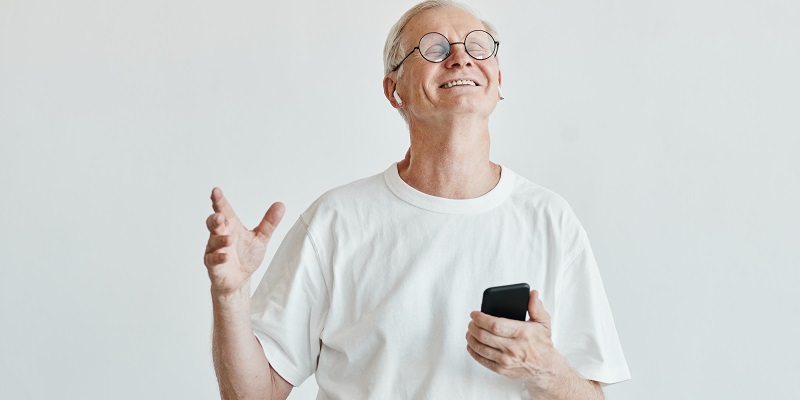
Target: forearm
567 385
242 369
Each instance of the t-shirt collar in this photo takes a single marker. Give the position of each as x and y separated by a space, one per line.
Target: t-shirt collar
486 202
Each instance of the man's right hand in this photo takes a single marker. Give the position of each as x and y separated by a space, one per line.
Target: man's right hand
232 255
233 252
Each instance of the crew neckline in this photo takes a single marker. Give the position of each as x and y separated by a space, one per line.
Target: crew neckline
443 205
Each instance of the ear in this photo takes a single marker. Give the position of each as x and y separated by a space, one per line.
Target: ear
499 78
389 87
500 85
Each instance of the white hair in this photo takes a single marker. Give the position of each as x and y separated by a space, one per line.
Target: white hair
394 51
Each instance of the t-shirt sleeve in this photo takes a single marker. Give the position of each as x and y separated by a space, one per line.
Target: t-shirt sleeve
290 305
583 327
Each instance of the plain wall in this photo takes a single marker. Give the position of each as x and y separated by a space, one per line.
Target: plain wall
671 127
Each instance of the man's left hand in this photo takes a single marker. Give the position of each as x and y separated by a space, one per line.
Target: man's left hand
520 350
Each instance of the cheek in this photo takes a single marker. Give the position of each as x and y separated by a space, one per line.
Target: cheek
492 71
419 85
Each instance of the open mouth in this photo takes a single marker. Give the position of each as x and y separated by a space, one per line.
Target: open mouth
459 82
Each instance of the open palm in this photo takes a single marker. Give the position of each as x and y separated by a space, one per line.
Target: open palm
233 252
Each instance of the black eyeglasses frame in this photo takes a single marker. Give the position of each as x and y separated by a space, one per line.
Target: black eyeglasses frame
450 45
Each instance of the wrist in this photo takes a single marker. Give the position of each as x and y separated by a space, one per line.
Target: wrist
566 386
231 300
549 384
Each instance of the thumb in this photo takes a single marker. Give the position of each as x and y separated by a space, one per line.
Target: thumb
536 310
271 220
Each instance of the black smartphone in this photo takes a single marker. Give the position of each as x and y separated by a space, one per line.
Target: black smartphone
509 301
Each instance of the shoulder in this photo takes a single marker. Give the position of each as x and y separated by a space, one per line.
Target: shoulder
346 198
538 198
550 212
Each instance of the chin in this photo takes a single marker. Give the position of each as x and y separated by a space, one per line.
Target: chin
471 108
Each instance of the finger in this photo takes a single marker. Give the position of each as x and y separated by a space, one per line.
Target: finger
536 310
211 222
498 326
483 360
483 349
486 338
216 242
220 203
216 223
214 259
271 220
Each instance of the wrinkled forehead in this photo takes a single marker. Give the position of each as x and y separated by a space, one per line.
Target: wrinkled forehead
452 22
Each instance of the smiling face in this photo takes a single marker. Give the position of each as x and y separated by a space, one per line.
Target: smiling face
459 85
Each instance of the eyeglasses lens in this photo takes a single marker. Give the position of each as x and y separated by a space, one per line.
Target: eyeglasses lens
479 44
434 47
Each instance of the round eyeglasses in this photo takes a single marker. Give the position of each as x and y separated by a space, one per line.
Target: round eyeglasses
435 47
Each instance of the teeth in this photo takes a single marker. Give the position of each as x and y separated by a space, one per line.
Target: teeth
458 83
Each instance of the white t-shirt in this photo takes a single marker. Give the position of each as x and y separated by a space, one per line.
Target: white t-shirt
372 288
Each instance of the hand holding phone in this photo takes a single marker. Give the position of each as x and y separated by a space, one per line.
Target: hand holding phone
509 301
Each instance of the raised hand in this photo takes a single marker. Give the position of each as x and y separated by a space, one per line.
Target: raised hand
233 252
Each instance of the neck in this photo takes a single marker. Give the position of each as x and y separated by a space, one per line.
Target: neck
450 159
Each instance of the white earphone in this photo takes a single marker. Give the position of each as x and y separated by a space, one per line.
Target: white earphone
500 92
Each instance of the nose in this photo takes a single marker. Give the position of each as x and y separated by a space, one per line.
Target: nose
458 56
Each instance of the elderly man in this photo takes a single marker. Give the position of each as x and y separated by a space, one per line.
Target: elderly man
374 288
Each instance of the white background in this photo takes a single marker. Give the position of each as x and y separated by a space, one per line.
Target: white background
670 126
